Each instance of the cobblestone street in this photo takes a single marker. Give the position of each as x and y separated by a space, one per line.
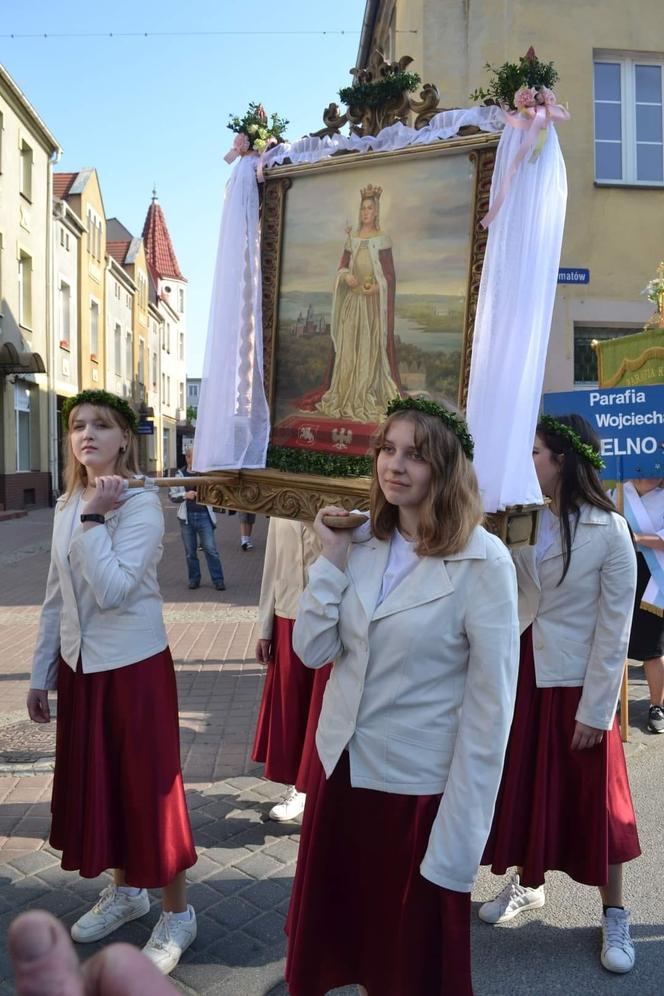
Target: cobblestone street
240 886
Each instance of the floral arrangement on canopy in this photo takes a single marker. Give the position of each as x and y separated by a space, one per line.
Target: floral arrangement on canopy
654 289
518 85
255 132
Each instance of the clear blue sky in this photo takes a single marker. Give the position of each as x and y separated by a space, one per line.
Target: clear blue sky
154 110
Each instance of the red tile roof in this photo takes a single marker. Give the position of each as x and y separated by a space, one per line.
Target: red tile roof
159 249
62 183
118 250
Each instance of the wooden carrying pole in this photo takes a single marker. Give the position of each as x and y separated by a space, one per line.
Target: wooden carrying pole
171 482
624 688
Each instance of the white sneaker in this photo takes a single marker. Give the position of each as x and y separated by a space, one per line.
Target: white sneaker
112 909
170 939
512 900
246 544
617 947
291 805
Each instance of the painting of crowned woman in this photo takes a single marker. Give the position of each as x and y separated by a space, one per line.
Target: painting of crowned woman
372 296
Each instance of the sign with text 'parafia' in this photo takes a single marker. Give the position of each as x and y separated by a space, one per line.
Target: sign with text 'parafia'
629 422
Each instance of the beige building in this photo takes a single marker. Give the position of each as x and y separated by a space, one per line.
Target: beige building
82 193
611 63
27 153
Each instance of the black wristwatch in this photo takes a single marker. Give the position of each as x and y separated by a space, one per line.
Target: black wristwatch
93 517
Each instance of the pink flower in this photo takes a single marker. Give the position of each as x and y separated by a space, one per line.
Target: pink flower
524 97
241 143
546 96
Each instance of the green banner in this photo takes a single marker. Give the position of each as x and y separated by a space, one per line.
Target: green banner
631 360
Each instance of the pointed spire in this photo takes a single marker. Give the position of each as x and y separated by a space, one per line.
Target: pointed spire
154 191
159 249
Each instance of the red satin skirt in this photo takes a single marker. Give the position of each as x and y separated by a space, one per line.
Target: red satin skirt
559 809
118 796
360 910
290 707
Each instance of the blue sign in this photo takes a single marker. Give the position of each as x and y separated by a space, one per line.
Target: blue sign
629 422
145 427
573 275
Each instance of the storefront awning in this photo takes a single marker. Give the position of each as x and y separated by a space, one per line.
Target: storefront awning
13 362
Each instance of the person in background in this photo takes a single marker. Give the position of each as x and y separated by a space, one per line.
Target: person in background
118 796
644 510
293 693
420 620
197 524
247 520
564 802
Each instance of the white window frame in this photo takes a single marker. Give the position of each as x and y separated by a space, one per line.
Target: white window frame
25 295
27 159
627 62
64 313
23 406
94 351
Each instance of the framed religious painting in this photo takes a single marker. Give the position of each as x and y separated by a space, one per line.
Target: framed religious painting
371 267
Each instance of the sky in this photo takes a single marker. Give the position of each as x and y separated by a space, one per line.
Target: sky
153 110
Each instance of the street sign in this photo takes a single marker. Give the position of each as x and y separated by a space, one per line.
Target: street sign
629 422
145 427
573 275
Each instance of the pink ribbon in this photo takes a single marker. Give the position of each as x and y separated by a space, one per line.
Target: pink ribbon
240 147
532 120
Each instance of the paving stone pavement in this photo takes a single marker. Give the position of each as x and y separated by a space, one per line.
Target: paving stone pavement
241 883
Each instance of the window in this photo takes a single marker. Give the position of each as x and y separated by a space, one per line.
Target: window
163 389
585 358
154 371
181 300
141 361
181 346
117 349
168 390
26 170
94 330
181 396
25 290
23 441
629 146
65 313
116 291
129 362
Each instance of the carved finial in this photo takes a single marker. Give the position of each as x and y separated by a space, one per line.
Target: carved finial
154 192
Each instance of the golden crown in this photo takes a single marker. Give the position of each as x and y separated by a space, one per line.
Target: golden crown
371 191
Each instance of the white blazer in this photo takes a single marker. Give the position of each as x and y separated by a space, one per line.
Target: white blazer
423 688
290 549
115 617
581 627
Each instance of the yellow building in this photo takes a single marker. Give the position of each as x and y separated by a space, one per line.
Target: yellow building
27 153
610 57
82 193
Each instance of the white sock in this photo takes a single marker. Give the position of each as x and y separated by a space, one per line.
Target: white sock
128 890
186 915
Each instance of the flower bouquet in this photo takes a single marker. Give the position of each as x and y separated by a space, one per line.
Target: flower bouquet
518 86
255 132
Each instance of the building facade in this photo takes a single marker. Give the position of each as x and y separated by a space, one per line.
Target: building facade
611 67
27 361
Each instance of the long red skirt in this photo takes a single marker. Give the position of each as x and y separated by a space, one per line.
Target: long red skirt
290 707
559 809
360 910
118 797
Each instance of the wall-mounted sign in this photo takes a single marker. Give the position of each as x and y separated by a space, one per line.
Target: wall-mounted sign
573 275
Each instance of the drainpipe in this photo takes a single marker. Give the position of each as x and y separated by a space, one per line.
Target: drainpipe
52 409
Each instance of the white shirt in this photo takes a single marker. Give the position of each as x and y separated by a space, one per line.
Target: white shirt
401 561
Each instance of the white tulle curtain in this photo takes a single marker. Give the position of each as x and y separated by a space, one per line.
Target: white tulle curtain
513 320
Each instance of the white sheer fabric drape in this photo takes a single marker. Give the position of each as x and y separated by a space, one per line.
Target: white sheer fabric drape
513 320
233 422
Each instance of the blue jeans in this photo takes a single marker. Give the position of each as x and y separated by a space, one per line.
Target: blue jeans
200 527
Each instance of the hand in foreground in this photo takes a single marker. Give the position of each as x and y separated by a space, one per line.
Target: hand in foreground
38 707
190 495
45 964
264 651
335 542
586 736
109 492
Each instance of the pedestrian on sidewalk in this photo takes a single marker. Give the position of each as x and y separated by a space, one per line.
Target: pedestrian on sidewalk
292 693
118 797
644 510
247 520
421 622
565 802
197 525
